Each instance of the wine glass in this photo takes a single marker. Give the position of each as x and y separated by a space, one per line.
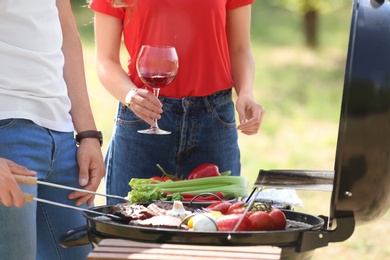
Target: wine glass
157 66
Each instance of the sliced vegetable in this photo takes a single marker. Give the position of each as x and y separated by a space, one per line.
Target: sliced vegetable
229 222
207 197
221 206
238 207
199 199
215 213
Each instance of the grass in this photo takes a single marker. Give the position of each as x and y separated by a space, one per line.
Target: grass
300 88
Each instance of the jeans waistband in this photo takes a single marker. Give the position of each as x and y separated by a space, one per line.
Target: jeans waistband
186 103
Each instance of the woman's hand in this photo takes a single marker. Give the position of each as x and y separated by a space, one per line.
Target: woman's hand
146 106
250 114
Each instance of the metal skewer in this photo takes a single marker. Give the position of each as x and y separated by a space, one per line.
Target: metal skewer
28 180
111 216
33 181
251 201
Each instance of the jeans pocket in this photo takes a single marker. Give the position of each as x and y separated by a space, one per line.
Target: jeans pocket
127 117
6 123
224 114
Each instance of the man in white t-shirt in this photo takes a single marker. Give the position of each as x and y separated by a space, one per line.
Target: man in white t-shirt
43 101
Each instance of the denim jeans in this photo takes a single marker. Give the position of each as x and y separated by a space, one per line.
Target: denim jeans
33 232
203 131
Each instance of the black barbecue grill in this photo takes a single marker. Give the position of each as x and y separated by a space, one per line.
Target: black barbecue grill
360 180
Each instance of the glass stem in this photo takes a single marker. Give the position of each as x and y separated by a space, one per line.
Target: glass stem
156 92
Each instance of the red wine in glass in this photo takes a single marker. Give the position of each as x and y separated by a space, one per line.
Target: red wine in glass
157 80
157 67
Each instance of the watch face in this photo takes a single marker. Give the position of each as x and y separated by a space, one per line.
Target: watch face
100 138
130 95
128 98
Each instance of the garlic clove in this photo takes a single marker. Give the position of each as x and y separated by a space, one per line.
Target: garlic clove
178 210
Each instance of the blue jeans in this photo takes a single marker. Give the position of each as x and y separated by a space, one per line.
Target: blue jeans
203 131
33 232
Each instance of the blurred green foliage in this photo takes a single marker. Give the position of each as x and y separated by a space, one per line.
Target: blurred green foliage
310 11
299 87
304 6
84 20
296 85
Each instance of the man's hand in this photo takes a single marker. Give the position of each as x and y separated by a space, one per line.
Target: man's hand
92 170
10 193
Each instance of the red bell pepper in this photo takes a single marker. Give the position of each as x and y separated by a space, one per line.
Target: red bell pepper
209 198
204 170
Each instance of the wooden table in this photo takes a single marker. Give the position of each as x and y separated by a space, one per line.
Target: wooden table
128 249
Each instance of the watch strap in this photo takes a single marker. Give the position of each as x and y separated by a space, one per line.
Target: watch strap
90 134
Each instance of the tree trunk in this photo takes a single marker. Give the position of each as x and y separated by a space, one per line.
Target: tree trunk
310 23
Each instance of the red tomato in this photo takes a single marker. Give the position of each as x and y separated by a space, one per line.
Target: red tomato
261 220
237 208
229 222
166 178
156 178
221 206
278 218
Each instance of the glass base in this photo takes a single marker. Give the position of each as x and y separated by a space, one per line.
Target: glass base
154 131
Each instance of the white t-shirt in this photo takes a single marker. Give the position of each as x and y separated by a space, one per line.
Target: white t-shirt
31 64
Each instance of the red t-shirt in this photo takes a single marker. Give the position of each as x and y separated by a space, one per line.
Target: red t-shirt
196 28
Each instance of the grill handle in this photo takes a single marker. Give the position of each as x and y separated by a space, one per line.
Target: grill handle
296 179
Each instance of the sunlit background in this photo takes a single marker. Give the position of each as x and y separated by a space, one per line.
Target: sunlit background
300 48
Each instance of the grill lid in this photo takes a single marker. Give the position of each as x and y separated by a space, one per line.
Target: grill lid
361 178
362 166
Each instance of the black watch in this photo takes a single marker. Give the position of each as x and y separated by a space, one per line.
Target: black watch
89 134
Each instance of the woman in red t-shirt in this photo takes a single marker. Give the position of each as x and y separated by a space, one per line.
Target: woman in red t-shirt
212 39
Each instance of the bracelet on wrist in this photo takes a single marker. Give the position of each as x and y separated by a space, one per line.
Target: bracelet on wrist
89 134
129 96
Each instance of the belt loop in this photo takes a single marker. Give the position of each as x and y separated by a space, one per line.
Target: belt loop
207 104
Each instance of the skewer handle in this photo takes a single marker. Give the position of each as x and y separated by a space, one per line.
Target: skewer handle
28 197
29 180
